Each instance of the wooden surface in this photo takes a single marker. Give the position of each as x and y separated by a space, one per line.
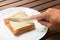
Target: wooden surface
40 5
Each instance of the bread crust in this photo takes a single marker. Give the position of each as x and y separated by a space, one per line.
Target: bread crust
20 30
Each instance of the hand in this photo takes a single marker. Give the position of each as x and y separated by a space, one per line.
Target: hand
49 18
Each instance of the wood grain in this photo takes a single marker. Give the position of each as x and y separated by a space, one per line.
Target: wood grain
55 37
15 4
46 6
34 3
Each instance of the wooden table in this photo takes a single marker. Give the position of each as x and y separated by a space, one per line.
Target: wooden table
40 5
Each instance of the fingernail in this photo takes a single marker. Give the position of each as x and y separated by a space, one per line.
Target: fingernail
33 16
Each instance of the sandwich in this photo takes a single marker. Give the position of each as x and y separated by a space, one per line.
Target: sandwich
19 23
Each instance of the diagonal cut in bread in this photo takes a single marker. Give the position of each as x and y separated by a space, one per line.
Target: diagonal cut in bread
18 23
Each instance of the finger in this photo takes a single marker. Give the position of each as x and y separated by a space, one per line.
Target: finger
47 24
33 17
39 16
42 15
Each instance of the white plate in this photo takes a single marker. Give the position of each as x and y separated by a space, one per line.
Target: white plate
5 33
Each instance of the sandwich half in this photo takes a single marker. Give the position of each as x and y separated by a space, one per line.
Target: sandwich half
19 23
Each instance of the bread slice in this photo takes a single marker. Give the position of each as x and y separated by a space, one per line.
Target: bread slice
20 15
18 24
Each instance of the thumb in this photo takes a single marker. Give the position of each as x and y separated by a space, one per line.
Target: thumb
39 16
42 18
35 17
